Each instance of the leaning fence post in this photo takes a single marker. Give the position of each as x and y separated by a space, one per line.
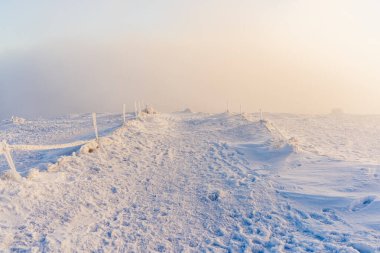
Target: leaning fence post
124 113
95 126
135 110
4 148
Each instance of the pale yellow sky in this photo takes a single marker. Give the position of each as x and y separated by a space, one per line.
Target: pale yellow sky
281 56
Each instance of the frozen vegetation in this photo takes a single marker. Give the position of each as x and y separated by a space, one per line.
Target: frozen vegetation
194 182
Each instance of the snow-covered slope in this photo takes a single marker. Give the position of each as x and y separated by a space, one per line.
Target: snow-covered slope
353 138
193 182
50 132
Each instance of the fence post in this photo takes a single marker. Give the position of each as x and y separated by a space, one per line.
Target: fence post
261 115
95 126
124 113
135 109
4 148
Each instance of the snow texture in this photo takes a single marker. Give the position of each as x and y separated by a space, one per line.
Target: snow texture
194 182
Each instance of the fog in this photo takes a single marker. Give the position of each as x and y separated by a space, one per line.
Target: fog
286 56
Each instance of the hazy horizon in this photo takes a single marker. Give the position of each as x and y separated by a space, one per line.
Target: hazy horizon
280 56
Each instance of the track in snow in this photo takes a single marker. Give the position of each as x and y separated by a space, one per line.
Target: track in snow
168 183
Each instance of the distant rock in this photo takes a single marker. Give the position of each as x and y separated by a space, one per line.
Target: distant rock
149 110
187 110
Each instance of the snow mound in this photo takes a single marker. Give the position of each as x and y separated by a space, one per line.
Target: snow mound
89 147
17 120
294 143
11 175
34 173
291 142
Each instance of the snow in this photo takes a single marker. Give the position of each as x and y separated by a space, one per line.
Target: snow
62 130
17 120
195 182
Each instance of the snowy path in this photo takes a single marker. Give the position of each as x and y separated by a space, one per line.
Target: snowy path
168 183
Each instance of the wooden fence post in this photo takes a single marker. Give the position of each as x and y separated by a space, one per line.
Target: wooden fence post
124 109
95 126
4 148
135 109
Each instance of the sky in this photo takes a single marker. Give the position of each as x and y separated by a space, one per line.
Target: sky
60 57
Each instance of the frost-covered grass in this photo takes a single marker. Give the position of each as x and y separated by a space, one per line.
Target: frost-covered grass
194 182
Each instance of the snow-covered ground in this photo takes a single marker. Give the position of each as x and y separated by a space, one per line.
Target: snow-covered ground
54 131
194 182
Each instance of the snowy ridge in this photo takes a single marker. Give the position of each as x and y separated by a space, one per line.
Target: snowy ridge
188 182
292 142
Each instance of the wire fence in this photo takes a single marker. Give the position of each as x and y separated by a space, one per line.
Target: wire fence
7 149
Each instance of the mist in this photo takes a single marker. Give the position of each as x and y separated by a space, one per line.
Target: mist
257 55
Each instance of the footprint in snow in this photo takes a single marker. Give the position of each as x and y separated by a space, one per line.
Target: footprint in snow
214 196
359 204
321 218
160 248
